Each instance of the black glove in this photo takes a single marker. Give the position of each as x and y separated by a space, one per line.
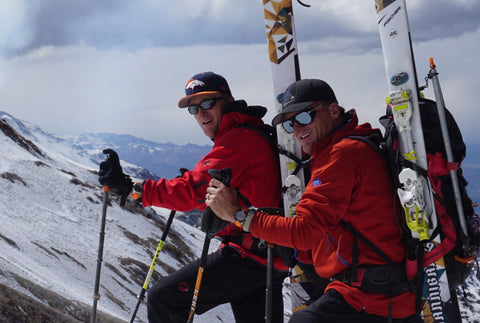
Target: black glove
211 224
110 174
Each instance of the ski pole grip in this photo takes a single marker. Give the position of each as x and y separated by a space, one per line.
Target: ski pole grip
223 175
106 188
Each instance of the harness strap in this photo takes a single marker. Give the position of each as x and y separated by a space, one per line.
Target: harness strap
357 235
354 259
347 226
419 279
379 279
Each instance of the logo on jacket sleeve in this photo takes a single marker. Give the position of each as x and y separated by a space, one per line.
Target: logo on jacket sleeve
316 182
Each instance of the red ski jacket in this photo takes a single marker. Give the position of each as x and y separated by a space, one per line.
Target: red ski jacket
255 173
349 181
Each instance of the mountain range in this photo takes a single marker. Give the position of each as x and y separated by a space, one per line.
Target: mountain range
50 215
162 159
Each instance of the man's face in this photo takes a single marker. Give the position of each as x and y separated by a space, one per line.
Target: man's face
319 128
209 120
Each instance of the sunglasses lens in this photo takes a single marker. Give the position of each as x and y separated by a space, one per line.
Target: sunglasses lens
288 126
193 109
205 105
304 118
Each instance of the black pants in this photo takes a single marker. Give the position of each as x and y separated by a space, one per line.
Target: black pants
333 308
227 278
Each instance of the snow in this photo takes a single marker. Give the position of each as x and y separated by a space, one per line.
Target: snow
55 227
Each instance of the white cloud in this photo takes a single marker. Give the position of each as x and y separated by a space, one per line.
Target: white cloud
87 88
347 14
81 89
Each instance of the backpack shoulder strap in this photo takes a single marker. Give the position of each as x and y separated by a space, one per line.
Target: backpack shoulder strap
375 141
265 130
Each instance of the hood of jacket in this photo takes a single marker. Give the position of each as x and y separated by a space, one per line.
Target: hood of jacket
237 113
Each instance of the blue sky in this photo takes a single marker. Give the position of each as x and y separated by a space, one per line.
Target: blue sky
121 65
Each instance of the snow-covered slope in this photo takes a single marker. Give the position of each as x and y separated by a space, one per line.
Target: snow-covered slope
50 214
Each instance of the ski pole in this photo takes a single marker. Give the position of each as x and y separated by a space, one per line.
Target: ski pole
96 296
268 290
433 75
224 176
201 267
141 296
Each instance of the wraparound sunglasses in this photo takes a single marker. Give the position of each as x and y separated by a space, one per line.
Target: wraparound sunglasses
303 118
205 105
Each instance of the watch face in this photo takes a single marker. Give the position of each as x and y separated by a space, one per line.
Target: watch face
138 187
240 215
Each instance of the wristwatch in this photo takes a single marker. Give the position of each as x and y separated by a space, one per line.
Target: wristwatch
240 215
244 218
137 190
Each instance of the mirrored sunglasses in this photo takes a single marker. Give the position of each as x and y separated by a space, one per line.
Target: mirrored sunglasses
303 118
205 105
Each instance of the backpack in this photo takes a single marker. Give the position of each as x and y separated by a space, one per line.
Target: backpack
458 250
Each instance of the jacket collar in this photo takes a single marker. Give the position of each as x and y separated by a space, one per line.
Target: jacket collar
349 128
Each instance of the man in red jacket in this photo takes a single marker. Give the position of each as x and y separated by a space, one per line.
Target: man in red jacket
236 273
350 187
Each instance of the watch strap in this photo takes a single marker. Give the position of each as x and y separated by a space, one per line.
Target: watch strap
248 220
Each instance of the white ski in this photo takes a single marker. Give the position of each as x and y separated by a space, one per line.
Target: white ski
283 56
416 196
